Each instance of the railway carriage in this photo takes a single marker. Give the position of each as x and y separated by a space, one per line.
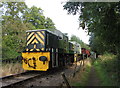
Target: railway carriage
85 53
76 51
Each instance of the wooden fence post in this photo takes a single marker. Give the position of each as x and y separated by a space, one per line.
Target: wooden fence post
83 59
65 79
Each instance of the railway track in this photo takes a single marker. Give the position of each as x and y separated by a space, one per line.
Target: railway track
11 80
18 79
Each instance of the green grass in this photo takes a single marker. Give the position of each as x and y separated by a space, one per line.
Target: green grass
106 69
81 77
102 74
105 66
84 78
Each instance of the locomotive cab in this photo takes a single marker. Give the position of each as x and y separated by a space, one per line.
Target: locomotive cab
39 54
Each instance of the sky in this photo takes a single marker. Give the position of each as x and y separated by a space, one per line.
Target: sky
63 22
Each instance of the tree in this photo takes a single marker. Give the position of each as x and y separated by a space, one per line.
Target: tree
76 39
102 20
13 36
13 9
17 18
49 24
35 16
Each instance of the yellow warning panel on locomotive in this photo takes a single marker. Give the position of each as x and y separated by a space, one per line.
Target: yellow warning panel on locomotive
36 60
35 40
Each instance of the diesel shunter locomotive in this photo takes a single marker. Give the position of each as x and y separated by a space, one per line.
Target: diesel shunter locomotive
46 50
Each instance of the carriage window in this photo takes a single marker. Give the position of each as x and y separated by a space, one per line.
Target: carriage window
60 38
39 46
30 46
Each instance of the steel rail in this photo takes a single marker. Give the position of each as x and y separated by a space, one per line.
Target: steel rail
18 78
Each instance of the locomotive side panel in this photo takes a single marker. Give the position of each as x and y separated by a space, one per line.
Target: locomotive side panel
51 40
52 47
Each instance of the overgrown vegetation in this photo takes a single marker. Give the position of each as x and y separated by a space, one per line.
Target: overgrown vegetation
11 68
106 70
102 20
16 19
81 77
77 39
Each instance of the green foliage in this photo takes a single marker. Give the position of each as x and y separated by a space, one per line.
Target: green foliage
83 45
106 69
102 20
83 79
104 78
49 24
35 16
13 9
103 23
17 18
13 37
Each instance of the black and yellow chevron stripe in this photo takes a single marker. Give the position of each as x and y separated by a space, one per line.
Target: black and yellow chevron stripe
37 37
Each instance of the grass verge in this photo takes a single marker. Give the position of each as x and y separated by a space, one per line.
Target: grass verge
11 68
81 77
105 68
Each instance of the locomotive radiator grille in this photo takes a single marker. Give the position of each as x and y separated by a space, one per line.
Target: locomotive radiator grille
35 41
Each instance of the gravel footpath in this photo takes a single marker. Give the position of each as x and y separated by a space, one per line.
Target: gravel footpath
93 79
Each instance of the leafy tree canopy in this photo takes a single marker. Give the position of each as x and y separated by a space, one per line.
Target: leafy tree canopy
83 45
14 9
16 19
35 16
102 21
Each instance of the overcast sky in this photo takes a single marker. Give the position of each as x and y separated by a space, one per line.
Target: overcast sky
63 22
